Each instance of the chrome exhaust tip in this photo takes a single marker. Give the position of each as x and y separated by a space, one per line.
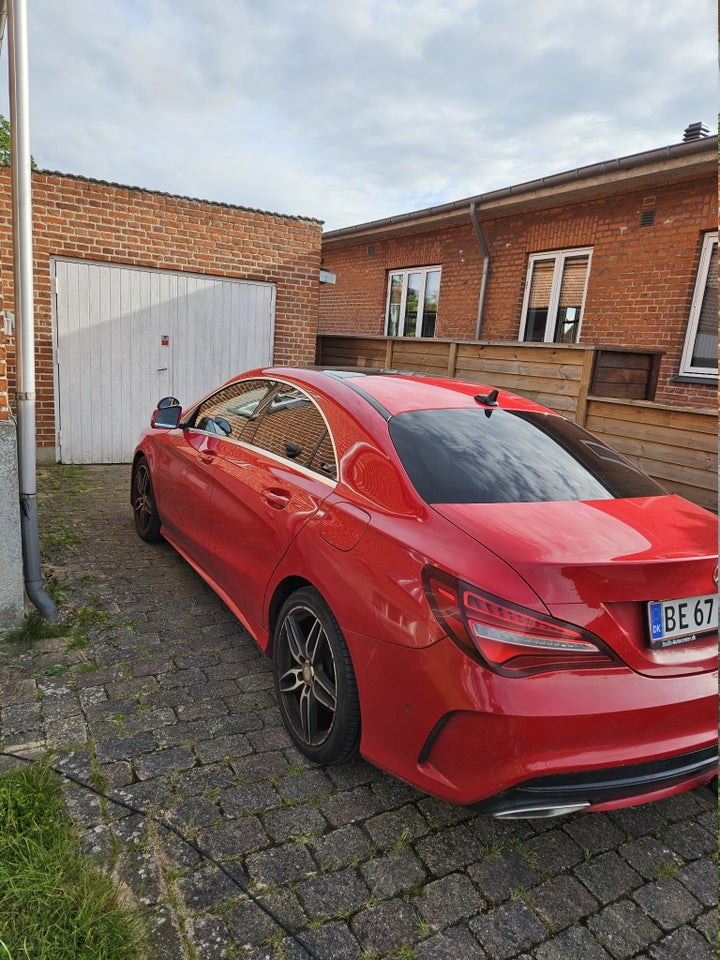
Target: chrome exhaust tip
540 813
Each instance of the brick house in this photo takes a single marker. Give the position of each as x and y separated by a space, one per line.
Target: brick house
139 293
617 253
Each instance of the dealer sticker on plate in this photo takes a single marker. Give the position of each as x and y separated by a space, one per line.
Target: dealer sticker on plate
682 621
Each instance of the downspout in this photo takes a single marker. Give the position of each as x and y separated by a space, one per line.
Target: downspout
24 305
485 272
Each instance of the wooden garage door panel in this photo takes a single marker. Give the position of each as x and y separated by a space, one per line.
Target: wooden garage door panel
126 336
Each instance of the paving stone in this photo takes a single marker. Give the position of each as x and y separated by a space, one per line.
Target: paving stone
649 856
347 807
457 943
638 821
255 797
209 886
443 902
389 828
193 812
333 894
607 877
506 930
553 851
332 941
392 874
701 879
233 838
305 786
387 926
164 762
210 937
562 901
125 748
253 921
446 850
683 944
689 839
291 823
575 943
220 748
595 833
280 865
623 929
343 847
499 876
667 902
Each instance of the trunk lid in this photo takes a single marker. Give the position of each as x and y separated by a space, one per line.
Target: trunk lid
599 563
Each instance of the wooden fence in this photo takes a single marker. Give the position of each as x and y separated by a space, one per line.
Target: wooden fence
676 445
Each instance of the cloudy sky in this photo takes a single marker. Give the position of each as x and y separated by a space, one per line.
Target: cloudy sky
358 109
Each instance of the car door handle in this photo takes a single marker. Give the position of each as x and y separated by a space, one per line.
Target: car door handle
276 498
207 457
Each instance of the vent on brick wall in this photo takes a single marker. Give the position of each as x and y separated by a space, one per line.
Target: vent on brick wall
371 251
647 218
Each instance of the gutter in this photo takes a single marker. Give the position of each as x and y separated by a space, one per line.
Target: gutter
486 268
16 13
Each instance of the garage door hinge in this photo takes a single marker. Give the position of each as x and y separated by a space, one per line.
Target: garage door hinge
56 285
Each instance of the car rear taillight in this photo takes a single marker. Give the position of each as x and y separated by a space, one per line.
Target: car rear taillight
507 638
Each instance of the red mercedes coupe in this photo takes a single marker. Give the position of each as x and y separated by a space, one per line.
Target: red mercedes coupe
470 590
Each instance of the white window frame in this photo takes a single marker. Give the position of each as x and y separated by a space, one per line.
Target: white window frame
559 256
686 364
405 273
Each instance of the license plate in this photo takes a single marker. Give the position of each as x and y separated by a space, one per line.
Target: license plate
682 621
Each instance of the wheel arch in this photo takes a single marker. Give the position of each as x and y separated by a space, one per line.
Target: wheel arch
287 586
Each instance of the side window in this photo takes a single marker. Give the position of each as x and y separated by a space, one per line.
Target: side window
232 407
292 427
700 356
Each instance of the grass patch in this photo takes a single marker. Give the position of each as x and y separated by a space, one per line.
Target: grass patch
54 905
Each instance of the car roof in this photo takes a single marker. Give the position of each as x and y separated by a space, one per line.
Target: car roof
392 392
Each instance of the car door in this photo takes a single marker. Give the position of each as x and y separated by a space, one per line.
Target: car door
267 486
184 482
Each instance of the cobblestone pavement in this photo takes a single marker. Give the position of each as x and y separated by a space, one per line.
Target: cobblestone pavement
162 698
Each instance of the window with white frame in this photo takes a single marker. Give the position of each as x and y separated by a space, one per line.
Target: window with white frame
554 296
700 354
412 302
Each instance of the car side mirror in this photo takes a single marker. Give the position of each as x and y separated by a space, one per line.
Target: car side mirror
166 416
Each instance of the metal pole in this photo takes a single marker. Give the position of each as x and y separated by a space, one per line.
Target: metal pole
24 303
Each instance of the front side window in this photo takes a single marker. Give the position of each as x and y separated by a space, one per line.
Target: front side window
412 302
700 354
229 411
554 296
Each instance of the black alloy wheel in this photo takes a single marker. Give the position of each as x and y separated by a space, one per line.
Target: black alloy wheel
315 680
147 519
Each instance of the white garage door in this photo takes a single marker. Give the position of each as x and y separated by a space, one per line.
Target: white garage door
125 337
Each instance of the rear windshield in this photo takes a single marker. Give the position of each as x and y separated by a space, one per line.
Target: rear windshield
510 456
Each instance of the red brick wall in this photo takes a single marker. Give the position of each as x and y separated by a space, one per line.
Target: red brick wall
639 292
83 219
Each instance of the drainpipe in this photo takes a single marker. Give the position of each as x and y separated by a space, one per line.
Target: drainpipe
24 306
485 272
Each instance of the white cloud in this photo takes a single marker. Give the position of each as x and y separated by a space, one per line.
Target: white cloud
354 111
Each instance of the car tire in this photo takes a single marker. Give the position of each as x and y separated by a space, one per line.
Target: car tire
147 519
314 679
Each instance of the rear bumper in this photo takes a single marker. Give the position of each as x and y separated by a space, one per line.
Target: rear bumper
577 740
603 789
